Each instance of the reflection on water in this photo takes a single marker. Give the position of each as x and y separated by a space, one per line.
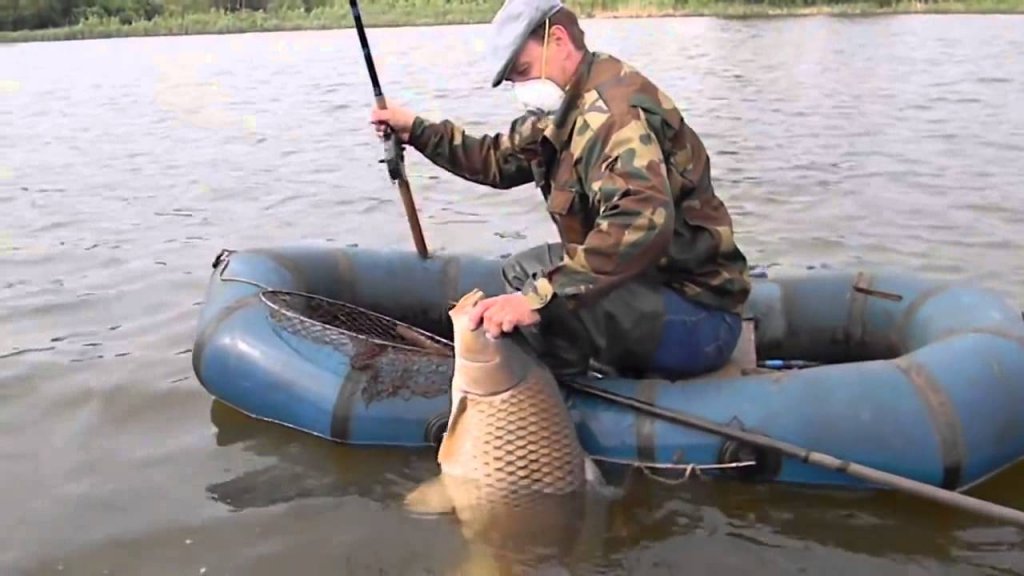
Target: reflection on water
312 504
128 164
299 469
649 511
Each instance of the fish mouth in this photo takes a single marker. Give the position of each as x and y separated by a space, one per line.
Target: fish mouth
476 346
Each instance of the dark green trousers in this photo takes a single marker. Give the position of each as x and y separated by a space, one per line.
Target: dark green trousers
619 332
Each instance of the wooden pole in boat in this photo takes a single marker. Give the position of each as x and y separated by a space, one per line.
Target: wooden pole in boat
901 483
394 154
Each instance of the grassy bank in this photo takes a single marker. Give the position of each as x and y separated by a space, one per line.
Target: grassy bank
376 13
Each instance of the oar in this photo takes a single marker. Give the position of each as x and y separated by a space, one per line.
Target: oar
914 487
393 149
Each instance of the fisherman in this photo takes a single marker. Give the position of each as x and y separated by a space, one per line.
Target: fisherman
647 278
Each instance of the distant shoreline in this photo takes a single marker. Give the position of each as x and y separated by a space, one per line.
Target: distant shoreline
377 17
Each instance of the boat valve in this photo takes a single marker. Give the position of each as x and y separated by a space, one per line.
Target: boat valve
221 256
766 465
435 430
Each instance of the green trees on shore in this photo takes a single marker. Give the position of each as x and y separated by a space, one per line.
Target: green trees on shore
35 14
181 16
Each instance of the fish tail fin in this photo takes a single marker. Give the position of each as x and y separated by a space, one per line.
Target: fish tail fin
430 498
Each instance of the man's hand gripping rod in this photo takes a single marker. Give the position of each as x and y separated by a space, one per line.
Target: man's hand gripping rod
394 150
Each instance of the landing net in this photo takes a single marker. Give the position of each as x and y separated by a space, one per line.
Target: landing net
336 323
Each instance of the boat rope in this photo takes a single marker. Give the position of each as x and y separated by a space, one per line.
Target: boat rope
688 470
244 281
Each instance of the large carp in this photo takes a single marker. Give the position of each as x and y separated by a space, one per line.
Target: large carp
512 468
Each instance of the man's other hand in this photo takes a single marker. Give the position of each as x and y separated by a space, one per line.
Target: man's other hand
503 314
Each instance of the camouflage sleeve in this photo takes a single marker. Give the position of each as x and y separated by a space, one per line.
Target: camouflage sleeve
624 169
491 160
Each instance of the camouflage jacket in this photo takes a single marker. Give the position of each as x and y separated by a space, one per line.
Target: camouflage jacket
626 181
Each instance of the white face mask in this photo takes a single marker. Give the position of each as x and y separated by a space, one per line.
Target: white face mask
540 94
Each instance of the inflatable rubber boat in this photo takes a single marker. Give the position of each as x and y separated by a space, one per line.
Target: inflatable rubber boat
914 377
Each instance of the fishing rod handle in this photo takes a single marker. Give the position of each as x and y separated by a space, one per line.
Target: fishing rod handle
413 216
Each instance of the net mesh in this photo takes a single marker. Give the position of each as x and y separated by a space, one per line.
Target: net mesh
336 323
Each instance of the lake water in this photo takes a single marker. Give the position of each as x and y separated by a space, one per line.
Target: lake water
128 164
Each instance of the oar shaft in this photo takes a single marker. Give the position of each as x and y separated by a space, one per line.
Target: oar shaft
921 489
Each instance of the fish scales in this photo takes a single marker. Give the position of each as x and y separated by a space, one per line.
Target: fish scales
513 470
520 440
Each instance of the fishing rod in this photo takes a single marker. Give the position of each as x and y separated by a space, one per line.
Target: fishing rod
394 151
955 499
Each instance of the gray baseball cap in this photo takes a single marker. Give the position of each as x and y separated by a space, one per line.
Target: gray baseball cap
509 29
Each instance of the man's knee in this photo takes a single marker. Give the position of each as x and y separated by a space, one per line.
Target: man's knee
561 339
531 263
695 339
